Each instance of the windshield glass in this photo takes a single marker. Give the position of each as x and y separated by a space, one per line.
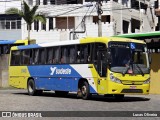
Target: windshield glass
129 56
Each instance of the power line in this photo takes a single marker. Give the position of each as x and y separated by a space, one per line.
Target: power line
83 19
69 11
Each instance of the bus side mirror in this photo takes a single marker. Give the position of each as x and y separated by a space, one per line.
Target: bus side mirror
150 58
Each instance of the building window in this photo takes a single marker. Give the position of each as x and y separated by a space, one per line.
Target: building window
44 2
2 24
7 24
30 2
18 24
13 25
36 25
52 2
105 18
65 23
125 26
72 1
50 23
43 26
115 0
37 2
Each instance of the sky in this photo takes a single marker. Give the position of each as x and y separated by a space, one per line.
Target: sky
5 4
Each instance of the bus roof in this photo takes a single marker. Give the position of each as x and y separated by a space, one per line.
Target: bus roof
140 35
7 41
78 41
2 42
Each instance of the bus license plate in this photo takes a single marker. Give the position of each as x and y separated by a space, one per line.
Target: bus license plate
132 87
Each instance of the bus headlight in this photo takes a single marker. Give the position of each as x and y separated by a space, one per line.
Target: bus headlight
114 79
147 81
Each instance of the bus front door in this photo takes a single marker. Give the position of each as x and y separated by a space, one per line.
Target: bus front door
102 71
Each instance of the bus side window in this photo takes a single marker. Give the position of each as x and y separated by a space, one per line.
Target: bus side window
84 54
0 50
56 53
13 56
50 56
64 52
36 56
16 58
78 53
31 57
5 49
42 56
25 59
72 55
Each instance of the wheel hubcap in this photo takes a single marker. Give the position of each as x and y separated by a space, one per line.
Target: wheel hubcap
30 88
84 90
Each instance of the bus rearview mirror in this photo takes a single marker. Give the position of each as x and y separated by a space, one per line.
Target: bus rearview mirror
109 57
150 58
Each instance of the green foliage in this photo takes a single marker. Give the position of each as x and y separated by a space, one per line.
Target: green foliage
28 14
12 11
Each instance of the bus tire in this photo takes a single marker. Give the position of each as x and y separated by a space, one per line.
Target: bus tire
31 87
85 91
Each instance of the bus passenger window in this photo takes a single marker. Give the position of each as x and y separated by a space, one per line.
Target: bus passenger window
42 56
0 50
16 58
56 55
36 55
63 58
25 59
49 56
84 54
72 55
78 52
5 49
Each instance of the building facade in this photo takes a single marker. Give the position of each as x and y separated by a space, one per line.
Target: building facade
72 19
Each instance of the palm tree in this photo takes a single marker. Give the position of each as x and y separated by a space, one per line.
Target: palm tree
28 14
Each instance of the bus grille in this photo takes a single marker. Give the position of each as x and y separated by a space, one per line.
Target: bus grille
127 82
132 91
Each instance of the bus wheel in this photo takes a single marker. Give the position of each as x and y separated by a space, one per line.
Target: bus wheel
31 87
119 97
85 92
61 93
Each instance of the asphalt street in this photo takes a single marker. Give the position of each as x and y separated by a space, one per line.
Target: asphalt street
19 100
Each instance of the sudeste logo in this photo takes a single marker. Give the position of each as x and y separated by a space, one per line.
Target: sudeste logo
55 70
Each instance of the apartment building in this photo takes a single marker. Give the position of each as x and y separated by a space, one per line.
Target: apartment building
71 19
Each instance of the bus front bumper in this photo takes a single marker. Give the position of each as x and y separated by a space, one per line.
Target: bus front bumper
117 88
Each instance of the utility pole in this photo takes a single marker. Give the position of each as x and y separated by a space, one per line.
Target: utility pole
140 16
99 12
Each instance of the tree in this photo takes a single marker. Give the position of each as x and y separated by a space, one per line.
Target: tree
28 14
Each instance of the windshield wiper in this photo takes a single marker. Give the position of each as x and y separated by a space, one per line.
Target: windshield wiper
140 69
125 71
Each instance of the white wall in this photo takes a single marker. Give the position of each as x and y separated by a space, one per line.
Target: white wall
92 30
127 14
10 34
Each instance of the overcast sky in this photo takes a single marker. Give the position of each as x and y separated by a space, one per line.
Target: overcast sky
11 3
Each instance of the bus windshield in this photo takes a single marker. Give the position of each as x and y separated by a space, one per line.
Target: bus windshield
129 56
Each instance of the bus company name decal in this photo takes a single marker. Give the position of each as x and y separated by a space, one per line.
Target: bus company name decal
55 70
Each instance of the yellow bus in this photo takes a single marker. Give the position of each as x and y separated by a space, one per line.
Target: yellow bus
91 65
5 45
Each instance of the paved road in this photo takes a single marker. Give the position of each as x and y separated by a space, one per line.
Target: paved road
18 100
